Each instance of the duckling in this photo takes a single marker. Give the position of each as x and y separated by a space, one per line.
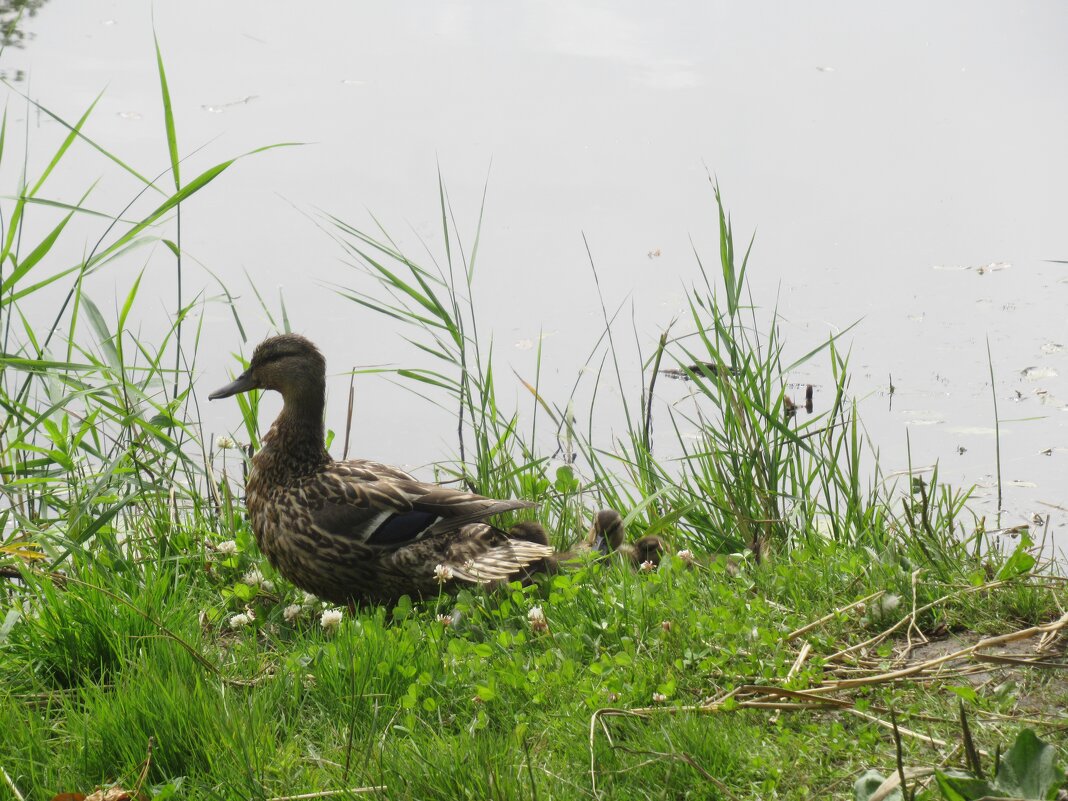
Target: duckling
359 531
607 535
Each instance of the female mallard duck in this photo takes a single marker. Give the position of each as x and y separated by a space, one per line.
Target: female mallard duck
360 531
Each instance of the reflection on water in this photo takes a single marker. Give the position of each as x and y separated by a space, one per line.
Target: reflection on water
13 16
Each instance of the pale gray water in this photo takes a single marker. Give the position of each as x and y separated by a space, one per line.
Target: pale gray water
877 150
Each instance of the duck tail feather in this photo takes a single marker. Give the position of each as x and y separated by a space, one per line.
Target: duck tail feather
501 562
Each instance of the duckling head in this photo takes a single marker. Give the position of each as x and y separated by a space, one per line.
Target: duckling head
649 548
607 532
289 364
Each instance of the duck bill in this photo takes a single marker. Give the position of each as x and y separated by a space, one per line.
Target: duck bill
243 383
600 543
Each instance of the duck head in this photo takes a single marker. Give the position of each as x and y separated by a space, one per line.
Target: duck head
289 364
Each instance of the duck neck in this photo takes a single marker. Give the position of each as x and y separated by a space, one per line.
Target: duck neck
296 438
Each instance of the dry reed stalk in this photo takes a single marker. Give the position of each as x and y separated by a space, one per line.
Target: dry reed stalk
793 635
878 638
11 785
970 652
806 649
330 793
893 782
756 696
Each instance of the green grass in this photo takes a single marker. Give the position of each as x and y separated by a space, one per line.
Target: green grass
141 634
486 707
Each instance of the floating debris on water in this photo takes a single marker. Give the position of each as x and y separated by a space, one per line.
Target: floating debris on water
219 109
653 254
1052 347
981 269
528 344
1038 373
128 115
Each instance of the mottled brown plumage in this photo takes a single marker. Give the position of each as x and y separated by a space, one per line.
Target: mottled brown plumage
361 531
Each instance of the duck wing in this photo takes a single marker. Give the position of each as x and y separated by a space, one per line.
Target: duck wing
359 502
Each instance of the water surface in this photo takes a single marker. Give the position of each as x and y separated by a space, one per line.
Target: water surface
903 166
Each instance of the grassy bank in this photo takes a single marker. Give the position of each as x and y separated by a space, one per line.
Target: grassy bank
781 653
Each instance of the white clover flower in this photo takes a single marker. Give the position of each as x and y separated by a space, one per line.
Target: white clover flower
888 603
242 619
331 619
445 620
225 444
442 573
308 599
254 578
227 548
685 555
537 619
659 698
292 612
648 566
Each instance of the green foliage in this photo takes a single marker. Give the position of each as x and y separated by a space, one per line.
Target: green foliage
1028 772
135 607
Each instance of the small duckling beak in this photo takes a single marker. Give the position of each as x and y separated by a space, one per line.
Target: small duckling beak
243 383
600 543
